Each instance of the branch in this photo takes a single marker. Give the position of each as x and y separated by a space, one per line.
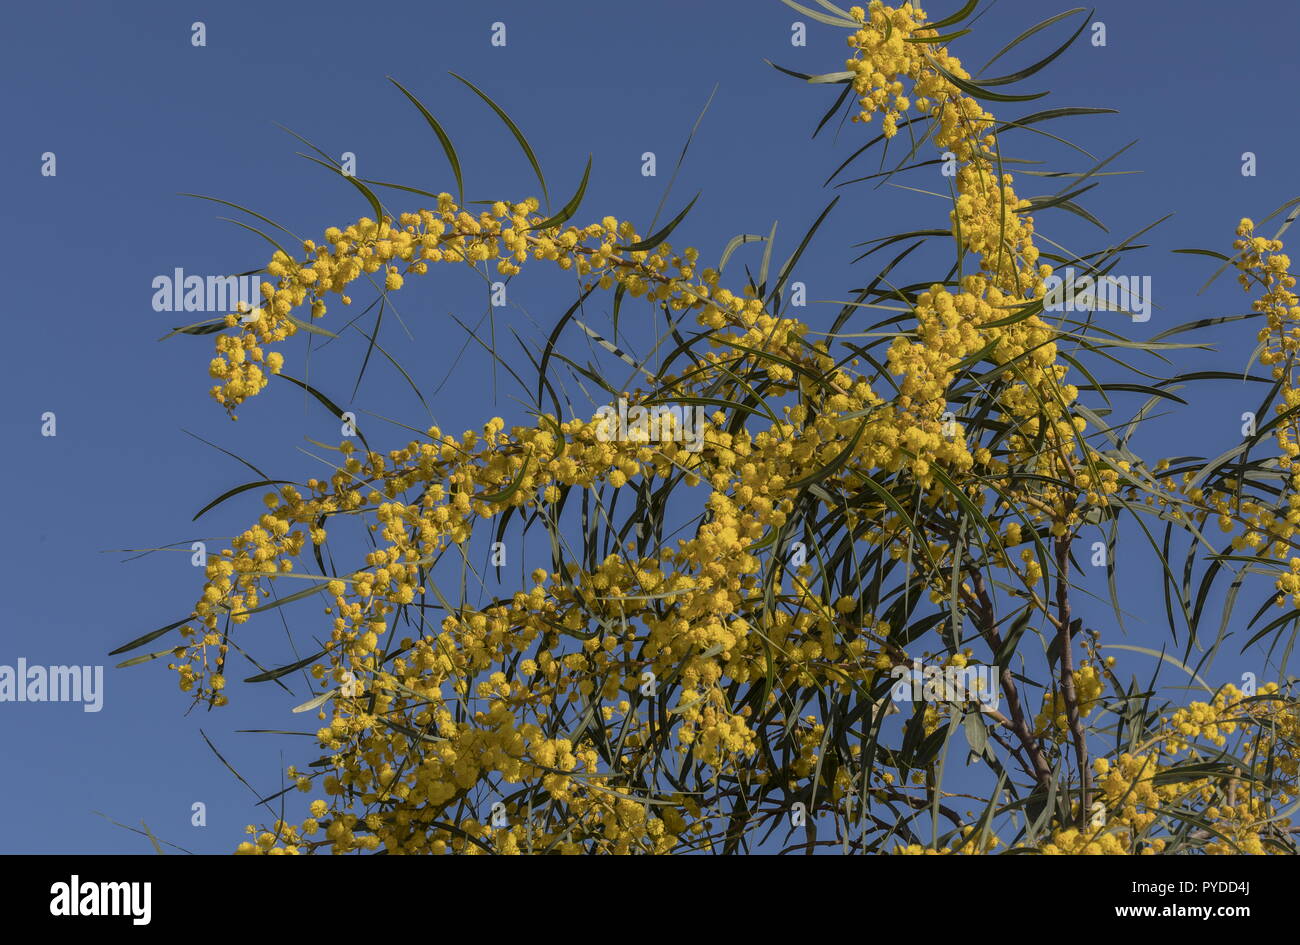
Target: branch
1068 692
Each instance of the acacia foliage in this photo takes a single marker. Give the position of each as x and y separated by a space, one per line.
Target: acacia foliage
711 660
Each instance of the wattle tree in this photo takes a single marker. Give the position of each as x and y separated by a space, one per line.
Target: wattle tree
809 586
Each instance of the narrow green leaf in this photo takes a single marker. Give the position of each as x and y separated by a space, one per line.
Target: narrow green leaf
657 238
957 17
237 490
324 401
842 22
976 91
570 208
1042 63
285 670
930 40
136 660
514 130
317 702
366 192
148 637
442 138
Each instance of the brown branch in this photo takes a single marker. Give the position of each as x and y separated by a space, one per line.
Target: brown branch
987 625
1068 692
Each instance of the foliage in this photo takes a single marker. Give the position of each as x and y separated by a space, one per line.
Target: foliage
713 657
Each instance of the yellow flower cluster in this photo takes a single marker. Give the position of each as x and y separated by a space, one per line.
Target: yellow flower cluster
890 58
1088 684
1135 786
1264 528
424 719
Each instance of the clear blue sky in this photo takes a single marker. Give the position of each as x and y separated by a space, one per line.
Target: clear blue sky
137 115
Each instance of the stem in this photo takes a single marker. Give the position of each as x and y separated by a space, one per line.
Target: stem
1068 692
1042 772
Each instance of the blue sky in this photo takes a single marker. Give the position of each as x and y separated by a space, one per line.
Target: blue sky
136 115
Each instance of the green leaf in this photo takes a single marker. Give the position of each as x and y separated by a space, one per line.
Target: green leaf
831 78
977 733
734 243
136 660
1161 656
309 327
514 130
843 22
236 491
209 326
919 40
795 256
325 402
957 17
317 702
148 637
1036 67
1052 113
976 91
251 213
570 208
285 670
1204 252
1012 639
442 138
366 192
656 239
281 601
